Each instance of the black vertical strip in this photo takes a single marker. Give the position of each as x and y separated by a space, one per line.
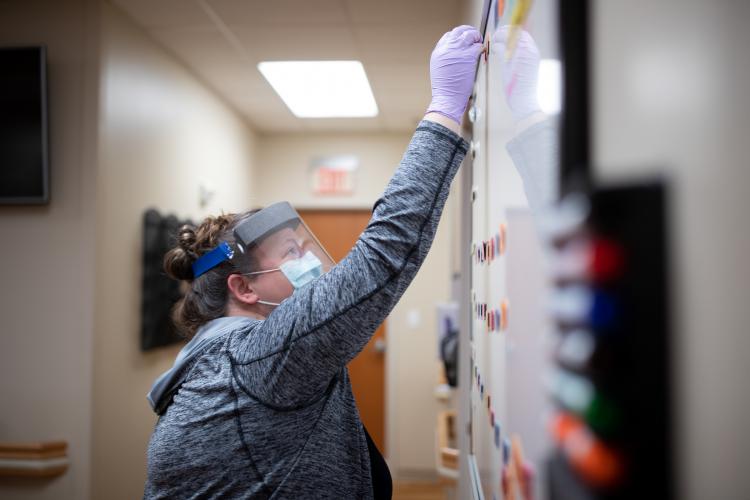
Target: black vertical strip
45 124
485 17
574 122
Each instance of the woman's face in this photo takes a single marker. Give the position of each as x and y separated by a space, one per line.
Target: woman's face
282 246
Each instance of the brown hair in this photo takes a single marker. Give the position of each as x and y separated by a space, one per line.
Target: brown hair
206 296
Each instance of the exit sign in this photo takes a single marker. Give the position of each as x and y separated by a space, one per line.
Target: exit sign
334 175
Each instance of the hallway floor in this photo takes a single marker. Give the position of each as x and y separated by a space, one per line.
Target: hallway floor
417 491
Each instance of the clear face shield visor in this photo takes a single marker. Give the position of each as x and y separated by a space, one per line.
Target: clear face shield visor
276 239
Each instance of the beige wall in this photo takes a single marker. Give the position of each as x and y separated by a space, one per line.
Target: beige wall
411 366
47 251
284 160
162 133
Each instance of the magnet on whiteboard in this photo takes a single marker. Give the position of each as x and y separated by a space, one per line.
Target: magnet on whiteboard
474 147
504 315
475 114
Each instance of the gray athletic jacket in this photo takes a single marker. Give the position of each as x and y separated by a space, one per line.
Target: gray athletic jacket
264 409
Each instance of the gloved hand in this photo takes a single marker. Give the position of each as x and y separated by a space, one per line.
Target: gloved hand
452 68
520 74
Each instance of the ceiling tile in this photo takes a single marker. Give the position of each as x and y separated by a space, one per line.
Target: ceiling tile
199 47
398 43
303 43
411 12
165 13
263 13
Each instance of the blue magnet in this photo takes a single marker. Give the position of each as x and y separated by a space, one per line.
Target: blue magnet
604 311
506 451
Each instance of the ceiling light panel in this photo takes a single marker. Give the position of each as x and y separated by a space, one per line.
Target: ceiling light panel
322 89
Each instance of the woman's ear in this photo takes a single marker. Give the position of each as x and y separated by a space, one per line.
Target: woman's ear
241 289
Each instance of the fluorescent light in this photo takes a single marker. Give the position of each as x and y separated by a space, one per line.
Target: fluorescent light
549 88
321 89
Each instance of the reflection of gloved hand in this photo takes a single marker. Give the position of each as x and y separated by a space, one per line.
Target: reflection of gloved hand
452 67
520 73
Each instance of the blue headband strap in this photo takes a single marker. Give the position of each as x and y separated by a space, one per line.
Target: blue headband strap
208 261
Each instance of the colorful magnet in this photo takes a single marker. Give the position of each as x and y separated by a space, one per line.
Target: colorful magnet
504 315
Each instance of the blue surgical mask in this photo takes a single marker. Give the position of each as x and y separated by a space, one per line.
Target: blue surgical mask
299 272
302 271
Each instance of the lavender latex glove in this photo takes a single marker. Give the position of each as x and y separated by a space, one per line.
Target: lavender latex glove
520 74
452 68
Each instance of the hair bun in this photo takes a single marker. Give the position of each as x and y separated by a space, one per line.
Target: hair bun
186 238
178 262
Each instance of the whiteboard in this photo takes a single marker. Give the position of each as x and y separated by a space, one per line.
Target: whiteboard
508 331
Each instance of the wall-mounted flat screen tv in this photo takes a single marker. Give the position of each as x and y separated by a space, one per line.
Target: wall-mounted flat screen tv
24 163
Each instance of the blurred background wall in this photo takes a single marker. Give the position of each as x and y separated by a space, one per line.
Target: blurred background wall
47 308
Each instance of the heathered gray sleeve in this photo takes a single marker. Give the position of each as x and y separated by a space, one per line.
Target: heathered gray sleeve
291 358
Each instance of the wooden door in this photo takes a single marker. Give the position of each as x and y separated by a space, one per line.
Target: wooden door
337 231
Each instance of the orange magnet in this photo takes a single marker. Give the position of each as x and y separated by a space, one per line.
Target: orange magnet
597 463
502 239
504 315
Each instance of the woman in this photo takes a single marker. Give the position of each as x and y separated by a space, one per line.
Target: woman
258 403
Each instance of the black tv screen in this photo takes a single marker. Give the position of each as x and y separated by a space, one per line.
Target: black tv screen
24 166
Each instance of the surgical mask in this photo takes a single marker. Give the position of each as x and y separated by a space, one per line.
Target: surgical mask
302 271
299 272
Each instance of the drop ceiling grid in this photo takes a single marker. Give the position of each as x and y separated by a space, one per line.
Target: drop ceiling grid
392 38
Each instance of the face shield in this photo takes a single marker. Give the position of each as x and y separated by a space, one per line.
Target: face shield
276 239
